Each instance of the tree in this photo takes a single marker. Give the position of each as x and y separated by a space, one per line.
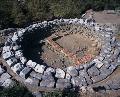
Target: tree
16 91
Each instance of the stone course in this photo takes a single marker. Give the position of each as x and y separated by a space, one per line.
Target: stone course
80 75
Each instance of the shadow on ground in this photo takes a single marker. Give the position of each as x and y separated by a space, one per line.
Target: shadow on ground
31 44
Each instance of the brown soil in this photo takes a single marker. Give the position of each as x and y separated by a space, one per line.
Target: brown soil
103 17
76 44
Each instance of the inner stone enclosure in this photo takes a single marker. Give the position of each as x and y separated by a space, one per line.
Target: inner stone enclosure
61 46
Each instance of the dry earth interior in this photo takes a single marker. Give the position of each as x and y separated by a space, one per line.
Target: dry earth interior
61 46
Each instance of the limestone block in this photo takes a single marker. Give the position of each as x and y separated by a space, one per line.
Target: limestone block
25 72
14 38
39 68
31 64
98 64
23 60
7 55
59 73
93 71
72 71
18 54
36 75
17 67
7 83
11 61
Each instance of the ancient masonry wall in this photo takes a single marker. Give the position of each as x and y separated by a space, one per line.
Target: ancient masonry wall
40 75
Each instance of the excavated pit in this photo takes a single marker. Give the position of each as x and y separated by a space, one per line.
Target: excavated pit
60 47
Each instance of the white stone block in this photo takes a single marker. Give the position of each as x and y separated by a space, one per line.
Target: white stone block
1 70
18 54
31 64
39 68
6 49
8 83
50 70
7 55
59 73
17 67
21 32
29 80
11 61
23 60
14 38
98 64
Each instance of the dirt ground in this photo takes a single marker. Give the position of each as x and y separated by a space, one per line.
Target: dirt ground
103 17
74 43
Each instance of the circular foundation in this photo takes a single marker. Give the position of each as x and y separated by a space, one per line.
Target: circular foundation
60 49
62 54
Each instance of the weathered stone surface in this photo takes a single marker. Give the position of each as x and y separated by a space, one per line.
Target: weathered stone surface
83 73
31 64
32 81
98 78
78 81
59 73
50 70
36 75
47 83
7 83
48 76
79 67
98 64
11 61
7 55
25 72
21 32
14 38
39 68
93 71
23 60
18 54
1 70
116 52
4 77
72 71
68 76
6 49
83 89
16 47
102 67
63 85
17 68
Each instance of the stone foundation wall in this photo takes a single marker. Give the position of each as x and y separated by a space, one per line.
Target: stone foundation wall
40 75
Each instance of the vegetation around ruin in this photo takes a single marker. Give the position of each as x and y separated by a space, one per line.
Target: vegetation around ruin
16 91
20 13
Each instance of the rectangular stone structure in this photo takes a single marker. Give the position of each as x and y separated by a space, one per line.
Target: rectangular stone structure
25 72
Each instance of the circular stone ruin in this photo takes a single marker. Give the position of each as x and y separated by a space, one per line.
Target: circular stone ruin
63 53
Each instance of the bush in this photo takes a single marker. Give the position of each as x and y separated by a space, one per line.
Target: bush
19 14
70 93
16 91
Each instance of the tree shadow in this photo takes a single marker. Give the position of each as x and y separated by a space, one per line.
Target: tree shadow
31 45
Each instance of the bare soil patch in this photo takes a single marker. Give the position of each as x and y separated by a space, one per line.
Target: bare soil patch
73 44
104 17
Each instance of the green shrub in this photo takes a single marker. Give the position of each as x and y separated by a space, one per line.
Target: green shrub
16 91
